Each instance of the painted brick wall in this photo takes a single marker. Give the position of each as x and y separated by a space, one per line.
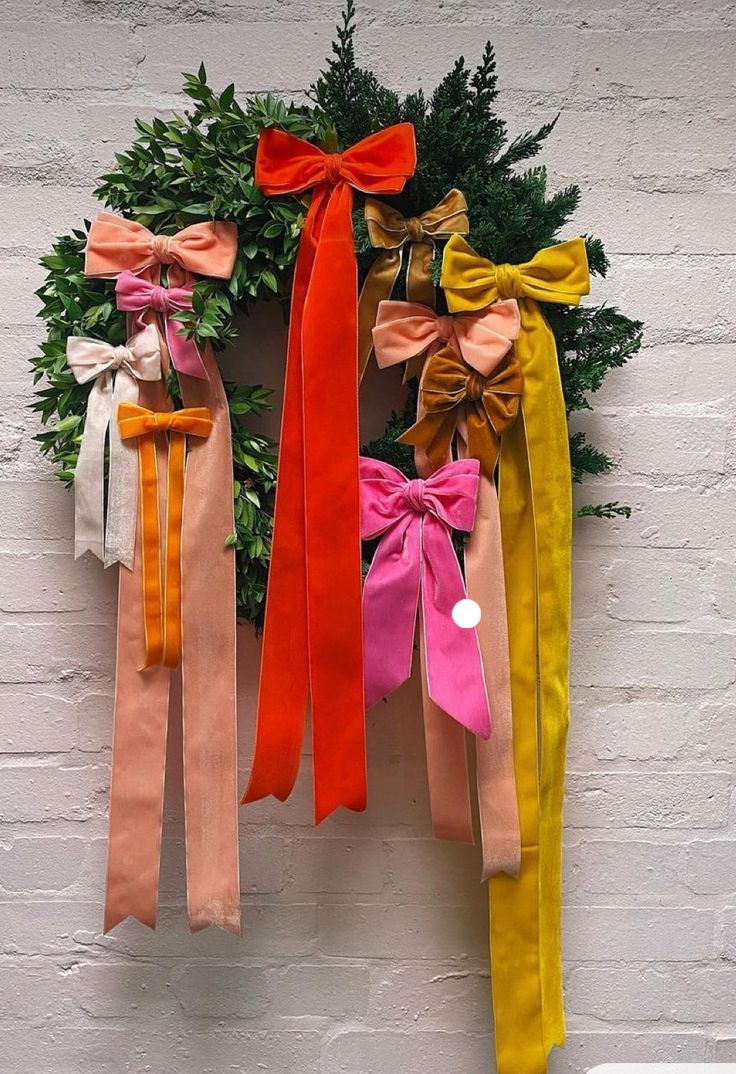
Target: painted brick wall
364 950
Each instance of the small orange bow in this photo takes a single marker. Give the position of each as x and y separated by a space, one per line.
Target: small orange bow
116 245
162 616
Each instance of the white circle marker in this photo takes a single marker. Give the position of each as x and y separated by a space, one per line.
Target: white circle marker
466 613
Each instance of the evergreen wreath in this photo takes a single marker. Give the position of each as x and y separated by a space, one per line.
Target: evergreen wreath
200 166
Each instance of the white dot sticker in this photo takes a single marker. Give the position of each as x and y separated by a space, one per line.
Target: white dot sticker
466 614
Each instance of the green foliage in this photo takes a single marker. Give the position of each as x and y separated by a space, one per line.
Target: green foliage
462 143
200 166
177 172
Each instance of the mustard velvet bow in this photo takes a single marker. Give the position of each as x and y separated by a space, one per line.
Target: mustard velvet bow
453 394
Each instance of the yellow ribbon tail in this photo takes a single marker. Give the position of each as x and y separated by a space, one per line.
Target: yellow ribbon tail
378 285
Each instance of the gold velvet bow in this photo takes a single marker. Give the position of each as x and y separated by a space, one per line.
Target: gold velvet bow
390 232
452 394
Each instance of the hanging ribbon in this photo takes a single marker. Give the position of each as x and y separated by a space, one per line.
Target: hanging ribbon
536 519
313 637
136 295
483 338
208 607
114 372
415 569
162 612
453 392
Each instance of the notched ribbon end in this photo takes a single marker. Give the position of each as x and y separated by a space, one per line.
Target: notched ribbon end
112 920
227 919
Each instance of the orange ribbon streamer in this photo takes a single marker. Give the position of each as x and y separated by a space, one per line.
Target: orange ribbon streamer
162 616
313 632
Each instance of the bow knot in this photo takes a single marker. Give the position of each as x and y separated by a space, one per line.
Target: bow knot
161 249
160 300
119 356
413 493
509 282
414 228
475 386
446 327
333 168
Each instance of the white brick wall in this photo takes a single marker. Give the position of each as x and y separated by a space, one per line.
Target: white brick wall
364 949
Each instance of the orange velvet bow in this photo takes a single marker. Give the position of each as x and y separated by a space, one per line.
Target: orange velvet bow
162 616
313 635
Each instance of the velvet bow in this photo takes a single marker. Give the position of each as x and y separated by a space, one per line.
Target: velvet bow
451 392
136 295
392 233
555 274
407 329
318 487
114 372
415 569
116 244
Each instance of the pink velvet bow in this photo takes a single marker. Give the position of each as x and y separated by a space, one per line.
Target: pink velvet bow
406 329
136 295
415 568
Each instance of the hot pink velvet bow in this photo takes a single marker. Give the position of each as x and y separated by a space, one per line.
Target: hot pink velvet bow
406 329
136 295
415 569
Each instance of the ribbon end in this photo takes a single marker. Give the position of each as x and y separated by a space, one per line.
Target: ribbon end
116 917
225 918
356 802
95 547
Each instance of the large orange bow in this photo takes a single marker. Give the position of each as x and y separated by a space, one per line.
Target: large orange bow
116 244
313 636
162 616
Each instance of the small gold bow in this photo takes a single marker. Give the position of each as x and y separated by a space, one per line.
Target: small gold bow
454 395
389 232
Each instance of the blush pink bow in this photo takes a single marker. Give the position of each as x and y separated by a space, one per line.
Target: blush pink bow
136 295
406 329
415 569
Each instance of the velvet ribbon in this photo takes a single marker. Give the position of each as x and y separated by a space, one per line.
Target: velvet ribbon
313 638
114 372
392 233
415 569
136 295
536 521
162 610
483 338
209 711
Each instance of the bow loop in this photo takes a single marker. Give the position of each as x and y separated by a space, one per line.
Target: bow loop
88 359
388 229
136 295
555 274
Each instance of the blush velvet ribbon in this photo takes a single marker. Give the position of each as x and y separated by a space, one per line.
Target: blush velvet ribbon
208 696
415 569
114 372
536 521
136 295
162 611
483 338
392 233
313 632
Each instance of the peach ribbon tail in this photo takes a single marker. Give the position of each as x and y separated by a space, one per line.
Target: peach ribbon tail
139 745
208 666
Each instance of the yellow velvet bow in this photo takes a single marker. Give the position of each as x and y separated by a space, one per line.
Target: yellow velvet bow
390 232
536 523
162 614
452 393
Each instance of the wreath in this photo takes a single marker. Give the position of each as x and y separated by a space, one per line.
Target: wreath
200 166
